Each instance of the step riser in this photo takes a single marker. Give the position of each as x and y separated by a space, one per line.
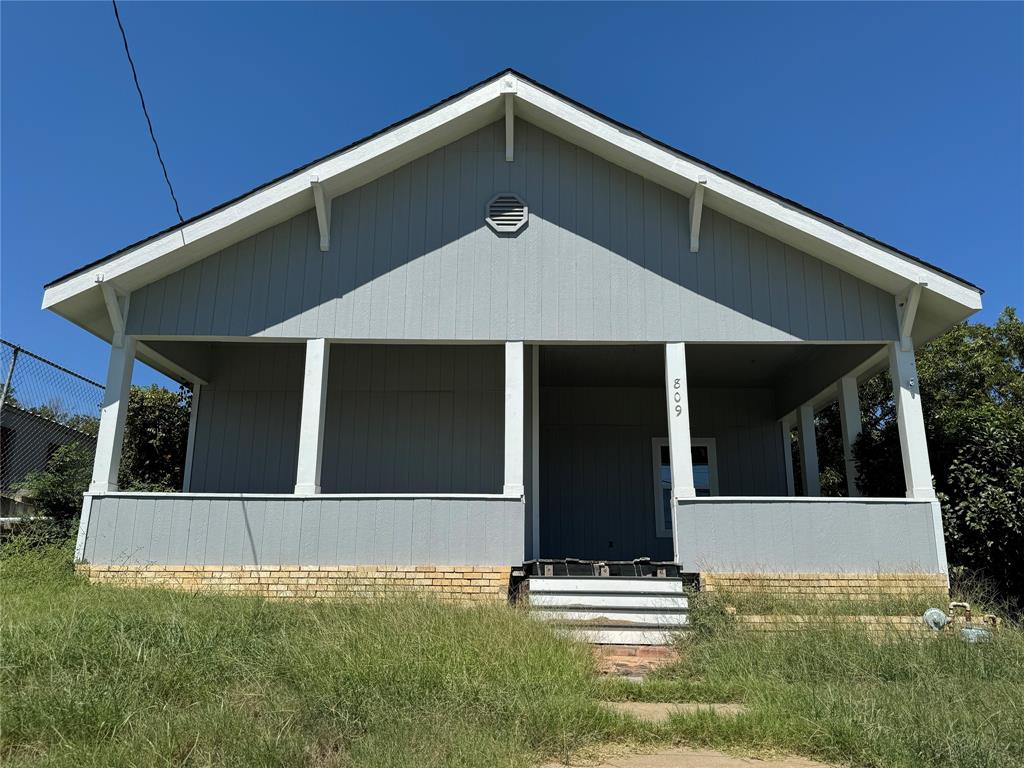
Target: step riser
615 618
605 585
636 602
610 610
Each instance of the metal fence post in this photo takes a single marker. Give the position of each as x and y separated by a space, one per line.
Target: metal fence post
9 376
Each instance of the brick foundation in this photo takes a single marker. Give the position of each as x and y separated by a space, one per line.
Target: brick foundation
459 583
826 586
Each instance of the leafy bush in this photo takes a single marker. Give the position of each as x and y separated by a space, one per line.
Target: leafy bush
972 392
57 490
155 439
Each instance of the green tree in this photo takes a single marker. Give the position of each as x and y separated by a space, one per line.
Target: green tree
56 491
972 392
155 439
152 458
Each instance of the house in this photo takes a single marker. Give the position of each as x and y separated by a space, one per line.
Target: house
509 333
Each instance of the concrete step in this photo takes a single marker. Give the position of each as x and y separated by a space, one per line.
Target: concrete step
610 610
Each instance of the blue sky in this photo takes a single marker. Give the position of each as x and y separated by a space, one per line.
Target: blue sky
904 121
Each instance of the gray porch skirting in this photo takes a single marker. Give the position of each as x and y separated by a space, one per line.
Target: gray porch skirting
179 529
810 535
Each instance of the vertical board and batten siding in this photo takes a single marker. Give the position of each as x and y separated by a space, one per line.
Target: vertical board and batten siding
414 419
597 471
794 536
605 257
247 426
399 419
129 530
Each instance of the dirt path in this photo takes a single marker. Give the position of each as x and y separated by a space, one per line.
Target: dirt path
690 758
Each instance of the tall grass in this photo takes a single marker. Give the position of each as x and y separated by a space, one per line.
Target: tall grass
102 676
105 676
841 693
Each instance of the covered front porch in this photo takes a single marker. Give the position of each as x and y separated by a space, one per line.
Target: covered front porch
323 454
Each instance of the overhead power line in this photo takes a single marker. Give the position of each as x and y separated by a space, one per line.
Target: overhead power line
142 100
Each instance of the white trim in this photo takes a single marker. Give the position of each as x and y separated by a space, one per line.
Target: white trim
906 310
145 350
850 426
657 443
810 499
787 456
323 213
492 497
311 425
193 416
809 470
535 447
732 196
110 436
115 312
290 196
910 422
510 123
83 528
350 168
678 405
696 210
200 495
514 418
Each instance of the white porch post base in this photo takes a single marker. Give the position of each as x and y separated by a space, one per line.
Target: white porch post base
787 457
83 529
849 421
515 423
910 421
110 436
809 452
311 426
680 459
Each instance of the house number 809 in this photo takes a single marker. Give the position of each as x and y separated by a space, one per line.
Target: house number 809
677 397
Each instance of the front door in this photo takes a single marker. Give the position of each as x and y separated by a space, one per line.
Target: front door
705 477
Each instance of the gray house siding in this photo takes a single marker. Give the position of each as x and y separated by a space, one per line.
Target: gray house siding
604 257
400 419
247 426
414 419
597 477
794 536
126 530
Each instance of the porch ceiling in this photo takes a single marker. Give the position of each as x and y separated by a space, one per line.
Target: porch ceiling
796 372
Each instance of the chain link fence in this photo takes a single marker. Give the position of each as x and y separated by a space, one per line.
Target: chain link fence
43 407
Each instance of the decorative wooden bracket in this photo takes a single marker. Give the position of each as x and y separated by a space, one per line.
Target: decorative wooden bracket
117 309
323 213
908 311
696 209
508 88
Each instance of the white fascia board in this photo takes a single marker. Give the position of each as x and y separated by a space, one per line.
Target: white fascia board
370 159
291 195
732 197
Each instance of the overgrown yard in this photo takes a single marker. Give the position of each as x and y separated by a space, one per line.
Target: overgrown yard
100 676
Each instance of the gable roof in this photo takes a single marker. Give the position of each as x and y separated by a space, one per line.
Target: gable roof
945 298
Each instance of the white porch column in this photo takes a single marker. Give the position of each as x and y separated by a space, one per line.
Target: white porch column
110 436
849 422
515 424
679 456
678 421
311 426
809 452
787 456
190 446
910 420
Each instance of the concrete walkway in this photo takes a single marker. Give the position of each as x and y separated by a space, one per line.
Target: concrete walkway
690 758
657 712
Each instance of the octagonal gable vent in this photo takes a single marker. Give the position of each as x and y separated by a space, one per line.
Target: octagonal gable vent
507 213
